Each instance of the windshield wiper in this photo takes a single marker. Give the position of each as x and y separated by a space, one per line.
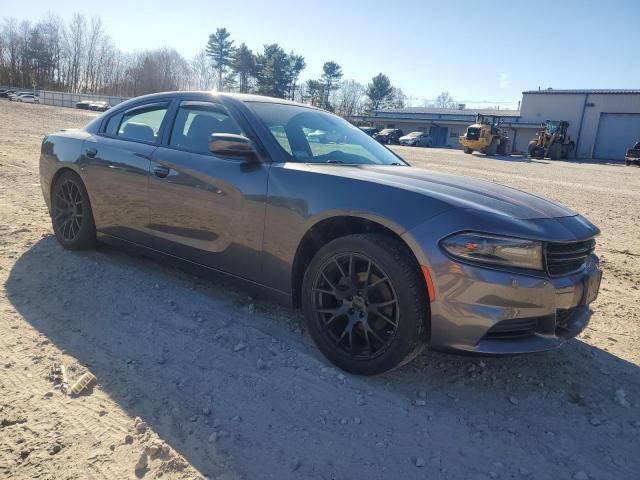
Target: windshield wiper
334 161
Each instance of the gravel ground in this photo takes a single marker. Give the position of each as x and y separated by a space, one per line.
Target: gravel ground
197 380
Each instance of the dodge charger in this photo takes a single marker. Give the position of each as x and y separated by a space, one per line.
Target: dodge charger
384 259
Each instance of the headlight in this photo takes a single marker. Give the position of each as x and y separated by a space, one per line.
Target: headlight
495 250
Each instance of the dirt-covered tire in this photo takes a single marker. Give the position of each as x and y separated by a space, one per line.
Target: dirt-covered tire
555 151
492 149
504 148
366 330
71 213
627 162
532 149
467 150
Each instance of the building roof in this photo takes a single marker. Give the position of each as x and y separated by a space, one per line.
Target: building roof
445 111
553 91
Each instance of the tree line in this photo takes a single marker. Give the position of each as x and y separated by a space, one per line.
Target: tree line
79 56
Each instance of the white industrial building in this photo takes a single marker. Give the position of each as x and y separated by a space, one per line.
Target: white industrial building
602 123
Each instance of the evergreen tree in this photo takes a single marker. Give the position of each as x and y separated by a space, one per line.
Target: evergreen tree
331 75
378 91
244 66
221 51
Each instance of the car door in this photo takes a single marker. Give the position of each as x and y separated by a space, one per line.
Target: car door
206 208
116 165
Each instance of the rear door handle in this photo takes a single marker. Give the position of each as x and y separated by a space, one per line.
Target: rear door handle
91 152
160 172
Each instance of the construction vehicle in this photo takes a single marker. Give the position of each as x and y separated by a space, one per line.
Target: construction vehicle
485 136
552 141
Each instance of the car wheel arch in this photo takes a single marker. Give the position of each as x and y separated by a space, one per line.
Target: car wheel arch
331 228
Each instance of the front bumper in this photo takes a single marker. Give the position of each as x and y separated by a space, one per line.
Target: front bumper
490 310
494 312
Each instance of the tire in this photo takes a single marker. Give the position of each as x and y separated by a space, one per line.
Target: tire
339 311
627 162
467 150
492 149
504 147
555 151
532 150
71 214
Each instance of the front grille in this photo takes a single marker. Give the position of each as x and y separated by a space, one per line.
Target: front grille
565 258
516 328
473 133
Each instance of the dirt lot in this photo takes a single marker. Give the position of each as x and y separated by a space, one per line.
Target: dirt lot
227 387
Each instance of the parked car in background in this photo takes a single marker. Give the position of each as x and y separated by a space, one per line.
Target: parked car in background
84 104
28 98
389 136
14 96
632 155
371 131
6 93
416 139
99 106
383 258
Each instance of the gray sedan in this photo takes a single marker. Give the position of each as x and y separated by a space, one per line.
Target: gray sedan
384 259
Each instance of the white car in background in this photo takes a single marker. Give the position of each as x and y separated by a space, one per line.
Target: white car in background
14 97
28 98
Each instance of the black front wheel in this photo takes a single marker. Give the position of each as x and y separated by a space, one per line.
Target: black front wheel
365 303
71 213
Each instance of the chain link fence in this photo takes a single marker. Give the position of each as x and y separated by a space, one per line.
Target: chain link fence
62 99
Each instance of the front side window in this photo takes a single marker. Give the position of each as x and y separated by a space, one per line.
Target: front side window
140 123
313 136
196 121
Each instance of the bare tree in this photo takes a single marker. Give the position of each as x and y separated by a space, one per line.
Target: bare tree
74 47
445 100
93 46
202 74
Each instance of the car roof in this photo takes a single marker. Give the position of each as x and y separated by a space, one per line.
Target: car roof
243 97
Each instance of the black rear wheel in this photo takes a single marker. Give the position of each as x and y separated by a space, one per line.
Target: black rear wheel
365 303
71 213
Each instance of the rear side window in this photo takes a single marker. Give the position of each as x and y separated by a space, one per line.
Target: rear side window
196 121
140 123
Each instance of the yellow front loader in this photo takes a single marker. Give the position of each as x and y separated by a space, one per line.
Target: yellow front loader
485 136
552 141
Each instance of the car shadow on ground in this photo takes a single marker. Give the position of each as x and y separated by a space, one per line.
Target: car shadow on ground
193 358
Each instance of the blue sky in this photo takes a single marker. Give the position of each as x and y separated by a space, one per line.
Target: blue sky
491 52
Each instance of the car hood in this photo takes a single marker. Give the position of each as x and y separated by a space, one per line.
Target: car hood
457 191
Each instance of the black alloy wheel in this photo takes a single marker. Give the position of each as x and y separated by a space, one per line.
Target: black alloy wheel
71 213
365 303
356 305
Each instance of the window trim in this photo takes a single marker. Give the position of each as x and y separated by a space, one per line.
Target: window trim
141 106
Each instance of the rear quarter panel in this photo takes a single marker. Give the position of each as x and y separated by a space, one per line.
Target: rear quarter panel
59 150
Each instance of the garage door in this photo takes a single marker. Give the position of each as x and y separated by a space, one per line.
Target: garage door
616 133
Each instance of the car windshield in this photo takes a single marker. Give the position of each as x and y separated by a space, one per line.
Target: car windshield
386 131
313 136
414 134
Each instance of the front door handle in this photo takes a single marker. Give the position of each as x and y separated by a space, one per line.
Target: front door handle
160 172
91 152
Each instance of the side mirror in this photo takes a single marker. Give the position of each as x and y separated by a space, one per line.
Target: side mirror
230 145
